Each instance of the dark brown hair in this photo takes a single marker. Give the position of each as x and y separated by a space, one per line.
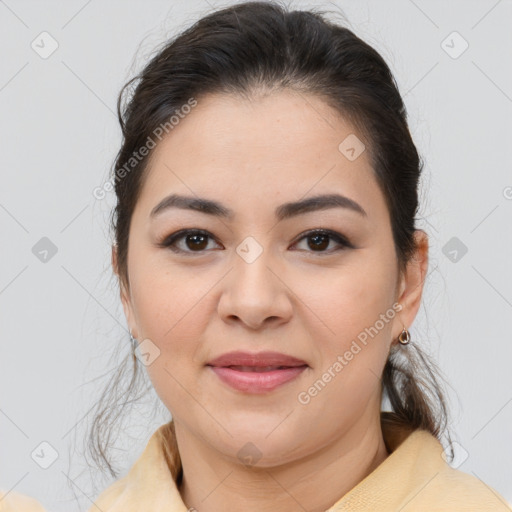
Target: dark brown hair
262 47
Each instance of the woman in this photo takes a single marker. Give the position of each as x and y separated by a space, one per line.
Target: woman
269 270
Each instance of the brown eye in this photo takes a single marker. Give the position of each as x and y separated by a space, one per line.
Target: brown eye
319 240
193 241
196 241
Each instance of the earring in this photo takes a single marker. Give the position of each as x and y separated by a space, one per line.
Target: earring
133 341
404 337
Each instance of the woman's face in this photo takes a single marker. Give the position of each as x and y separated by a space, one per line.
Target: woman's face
255 281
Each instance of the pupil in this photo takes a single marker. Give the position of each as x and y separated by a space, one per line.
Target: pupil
320 245
195 243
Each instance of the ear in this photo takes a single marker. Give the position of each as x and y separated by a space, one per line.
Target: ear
125 296
411 284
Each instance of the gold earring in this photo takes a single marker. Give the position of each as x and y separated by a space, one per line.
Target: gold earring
404 337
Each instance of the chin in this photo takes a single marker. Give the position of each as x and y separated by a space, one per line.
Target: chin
265 443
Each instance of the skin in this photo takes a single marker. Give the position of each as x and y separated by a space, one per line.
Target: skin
252 156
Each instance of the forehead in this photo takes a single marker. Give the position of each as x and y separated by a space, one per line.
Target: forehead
284 145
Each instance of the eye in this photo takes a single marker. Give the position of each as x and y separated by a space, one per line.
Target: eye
196 241
321 238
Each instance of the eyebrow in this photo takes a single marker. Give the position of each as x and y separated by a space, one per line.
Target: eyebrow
283 212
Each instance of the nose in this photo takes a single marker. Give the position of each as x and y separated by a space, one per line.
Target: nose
255 294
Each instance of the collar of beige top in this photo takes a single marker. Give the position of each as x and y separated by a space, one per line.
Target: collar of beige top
414 477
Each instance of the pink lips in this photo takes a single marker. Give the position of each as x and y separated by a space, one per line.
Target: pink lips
256 372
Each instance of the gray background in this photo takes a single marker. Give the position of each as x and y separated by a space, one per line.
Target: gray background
62 320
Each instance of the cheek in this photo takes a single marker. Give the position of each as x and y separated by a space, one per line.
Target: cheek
169 317
169 314
349 299
167 302
352 342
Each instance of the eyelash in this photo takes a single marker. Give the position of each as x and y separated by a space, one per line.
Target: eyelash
170 240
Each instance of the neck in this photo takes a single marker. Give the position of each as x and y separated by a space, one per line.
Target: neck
214 483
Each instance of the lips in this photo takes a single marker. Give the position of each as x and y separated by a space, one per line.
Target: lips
259 361
256 373
256 368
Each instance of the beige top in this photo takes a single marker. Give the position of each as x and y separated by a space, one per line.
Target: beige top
413 478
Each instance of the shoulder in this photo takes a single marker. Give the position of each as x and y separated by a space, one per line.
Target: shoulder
115 497
12 501
475 491
416 477
454 490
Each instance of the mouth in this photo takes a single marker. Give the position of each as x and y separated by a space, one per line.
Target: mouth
256 373
257 368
